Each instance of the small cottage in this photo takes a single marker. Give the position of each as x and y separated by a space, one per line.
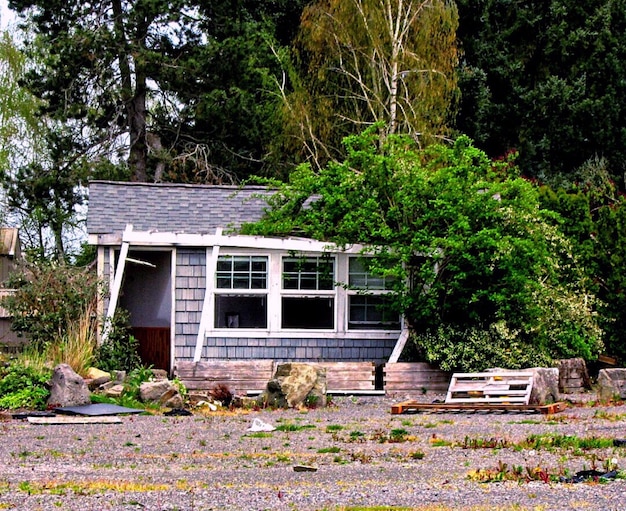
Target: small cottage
198 291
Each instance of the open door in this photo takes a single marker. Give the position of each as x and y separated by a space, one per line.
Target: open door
146 294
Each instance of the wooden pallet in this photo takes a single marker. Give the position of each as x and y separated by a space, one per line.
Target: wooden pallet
414 407
492 388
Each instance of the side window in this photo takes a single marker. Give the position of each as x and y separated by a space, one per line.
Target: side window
369 301
241 292
308 293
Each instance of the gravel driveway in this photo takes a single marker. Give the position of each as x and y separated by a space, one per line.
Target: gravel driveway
362 454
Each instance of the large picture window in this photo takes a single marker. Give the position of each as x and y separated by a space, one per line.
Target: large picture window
369 302
308 299
241 292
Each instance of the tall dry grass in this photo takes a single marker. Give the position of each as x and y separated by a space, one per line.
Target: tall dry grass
75 347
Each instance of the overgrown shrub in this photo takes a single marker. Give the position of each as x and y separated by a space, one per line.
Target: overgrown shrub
474 349
120 350
23 387
48 299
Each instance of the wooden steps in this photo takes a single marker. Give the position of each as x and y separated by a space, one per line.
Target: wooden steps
343 377
240 376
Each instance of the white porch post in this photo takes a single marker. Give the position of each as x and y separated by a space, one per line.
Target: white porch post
397 350
209 297
117 283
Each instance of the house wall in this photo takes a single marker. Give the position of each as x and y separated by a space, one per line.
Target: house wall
299 350
189 298
189 293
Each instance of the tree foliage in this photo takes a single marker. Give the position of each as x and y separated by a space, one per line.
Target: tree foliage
359 62
545 78
176 90
466 237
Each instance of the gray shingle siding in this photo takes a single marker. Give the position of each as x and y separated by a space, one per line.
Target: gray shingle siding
192 209
294 350
189 298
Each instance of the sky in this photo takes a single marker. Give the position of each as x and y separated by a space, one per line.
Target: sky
6 16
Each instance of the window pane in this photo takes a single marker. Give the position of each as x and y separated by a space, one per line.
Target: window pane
224 282
236 311
224 264
372 313
236 272
241 264
312 273
313 313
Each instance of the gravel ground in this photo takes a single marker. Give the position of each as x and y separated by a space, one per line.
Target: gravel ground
211 462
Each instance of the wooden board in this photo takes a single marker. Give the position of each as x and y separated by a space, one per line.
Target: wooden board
498 387
414 376
65 419
346 376
240 376
413 406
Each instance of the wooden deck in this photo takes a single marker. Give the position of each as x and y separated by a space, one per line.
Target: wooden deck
414 377
251 376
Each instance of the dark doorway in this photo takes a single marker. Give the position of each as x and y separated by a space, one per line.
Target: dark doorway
147 296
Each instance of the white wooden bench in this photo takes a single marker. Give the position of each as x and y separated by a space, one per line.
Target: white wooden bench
498 387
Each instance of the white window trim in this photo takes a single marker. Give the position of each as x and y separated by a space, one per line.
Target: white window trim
274 293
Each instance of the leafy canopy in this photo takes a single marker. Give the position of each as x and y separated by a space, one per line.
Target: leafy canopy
466 237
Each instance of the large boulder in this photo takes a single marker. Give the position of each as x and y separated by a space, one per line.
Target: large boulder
612 384
545 385
294 385
67 388
573 375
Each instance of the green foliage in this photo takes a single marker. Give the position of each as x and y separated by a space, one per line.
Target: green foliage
545 78
475 349
358 62
466 240
120 350
23 387
49 298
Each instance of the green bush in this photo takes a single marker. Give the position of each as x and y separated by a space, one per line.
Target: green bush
23 387
474 349
48 299
120 351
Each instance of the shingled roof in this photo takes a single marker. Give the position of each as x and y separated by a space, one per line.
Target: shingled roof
168 207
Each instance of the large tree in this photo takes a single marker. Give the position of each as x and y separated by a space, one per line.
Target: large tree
154 83
484 276
359 62
546 79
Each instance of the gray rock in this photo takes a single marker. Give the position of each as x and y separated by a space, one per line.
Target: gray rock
545 385
163 392
295 385
67 388
612 383
113 390
153 390
573 375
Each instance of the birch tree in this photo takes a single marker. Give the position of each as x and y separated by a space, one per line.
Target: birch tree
366 61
